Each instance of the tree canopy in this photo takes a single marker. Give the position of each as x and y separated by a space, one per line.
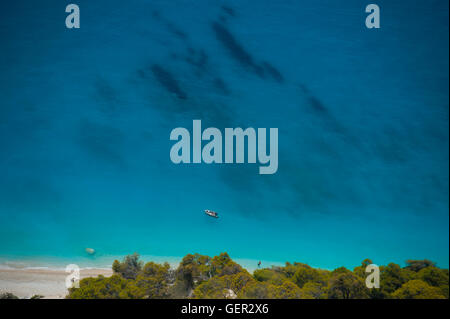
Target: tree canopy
219 277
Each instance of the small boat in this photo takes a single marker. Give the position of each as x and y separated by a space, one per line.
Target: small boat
211 213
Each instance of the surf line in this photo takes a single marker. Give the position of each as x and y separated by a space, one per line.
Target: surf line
212 151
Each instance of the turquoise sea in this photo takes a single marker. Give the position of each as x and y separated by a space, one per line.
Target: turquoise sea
86 114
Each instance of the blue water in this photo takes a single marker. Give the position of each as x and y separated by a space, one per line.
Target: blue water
362 115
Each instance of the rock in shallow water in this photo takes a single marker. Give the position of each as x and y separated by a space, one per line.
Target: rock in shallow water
90 251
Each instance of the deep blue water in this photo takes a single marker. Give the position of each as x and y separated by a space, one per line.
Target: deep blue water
362 117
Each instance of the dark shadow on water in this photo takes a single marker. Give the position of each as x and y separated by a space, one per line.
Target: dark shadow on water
273 72
235 49
168 81
101 141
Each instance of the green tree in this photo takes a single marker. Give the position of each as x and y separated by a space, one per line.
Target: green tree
201 276
257 290
269 275
392 277
214 288
417 265
114 287
227 283
129 267
304 275
418 289
223 265
361 270
435 277
287 290
314 290
227 286
289 269
8 295
153 281
340 270
192 271
238 281
373 293
346 285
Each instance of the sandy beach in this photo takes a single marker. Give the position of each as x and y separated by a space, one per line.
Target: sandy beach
25 278
49 283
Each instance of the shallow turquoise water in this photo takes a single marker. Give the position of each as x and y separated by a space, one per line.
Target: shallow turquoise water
362 117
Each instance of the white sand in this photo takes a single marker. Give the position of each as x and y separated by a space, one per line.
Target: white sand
24 281
50 283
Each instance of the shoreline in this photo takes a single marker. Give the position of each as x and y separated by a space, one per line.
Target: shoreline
44 275
104 262
50 283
